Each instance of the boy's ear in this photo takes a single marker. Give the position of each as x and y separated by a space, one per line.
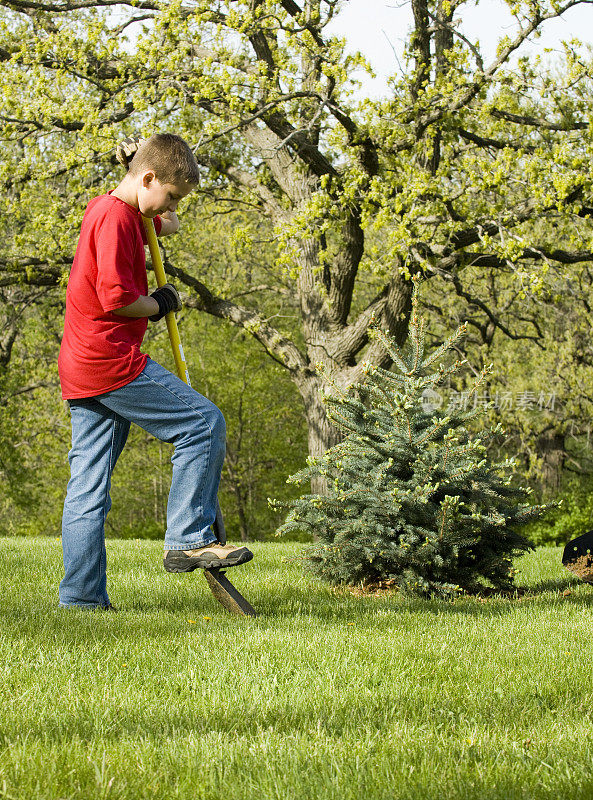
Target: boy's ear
148 177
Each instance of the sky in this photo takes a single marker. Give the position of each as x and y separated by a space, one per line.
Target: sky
378 28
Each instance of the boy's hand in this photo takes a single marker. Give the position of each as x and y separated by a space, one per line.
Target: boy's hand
168 300
169 223
124 152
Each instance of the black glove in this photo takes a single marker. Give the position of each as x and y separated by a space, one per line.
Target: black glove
168 300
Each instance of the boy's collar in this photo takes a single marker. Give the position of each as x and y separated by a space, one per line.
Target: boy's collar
129 205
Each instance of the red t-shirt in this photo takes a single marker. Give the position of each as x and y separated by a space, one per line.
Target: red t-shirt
100 350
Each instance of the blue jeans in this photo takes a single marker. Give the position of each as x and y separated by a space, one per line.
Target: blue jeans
163 405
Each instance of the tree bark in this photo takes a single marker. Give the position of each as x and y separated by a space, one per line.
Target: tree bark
551 448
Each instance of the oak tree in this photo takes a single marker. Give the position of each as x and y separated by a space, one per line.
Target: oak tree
469 168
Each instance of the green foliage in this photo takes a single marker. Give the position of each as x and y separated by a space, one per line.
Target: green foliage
474 174
572 517
412 497
33 423
541 386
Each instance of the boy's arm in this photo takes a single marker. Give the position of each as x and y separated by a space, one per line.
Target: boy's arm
144 306
155 306
169 223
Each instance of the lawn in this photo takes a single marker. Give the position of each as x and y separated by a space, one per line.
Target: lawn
324 695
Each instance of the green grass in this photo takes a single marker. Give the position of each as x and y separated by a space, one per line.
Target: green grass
324 695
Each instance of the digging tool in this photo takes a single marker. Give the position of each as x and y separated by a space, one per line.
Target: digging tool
578 557
220 586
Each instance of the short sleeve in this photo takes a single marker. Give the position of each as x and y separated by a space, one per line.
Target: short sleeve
117 238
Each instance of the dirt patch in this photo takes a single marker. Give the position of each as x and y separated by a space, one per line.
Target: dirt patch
582 567
487 593
380 589
389 587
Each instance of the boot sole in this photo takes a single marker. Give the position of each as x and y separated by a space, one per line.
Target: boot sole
185 563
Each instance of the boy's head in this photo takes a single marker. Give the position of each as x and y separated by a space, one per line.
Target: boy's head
169 157
164 170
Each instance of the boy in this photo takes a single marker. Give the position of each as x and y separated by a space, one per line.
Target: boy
109 383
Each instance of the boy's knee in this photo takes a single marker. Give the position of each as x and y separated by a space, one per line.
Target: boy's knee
209 422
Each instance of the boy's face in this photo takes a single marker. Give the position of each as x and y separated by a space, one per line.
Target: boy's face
155 197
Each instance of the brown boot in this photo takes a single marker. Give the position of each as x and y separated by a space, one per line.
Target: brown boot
211 556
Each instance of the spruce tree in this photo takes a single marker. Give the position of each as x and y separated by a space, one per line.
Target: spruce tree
411 495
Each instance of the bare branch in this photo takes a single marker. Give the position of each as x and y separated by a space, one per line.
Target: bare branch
454 104
64 6
523 212
32 272
477 302
246 181
538 122
497 144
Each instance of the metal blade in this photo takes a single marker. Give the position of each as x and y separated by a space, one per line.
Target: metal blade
226 594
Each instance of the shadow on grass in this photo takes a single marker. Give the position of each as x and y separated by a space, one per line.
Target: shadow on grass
278 594
276 601
560 584
161 724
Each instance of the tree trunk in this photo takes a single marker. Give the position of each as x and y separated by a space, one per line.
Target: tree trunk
230 467
337 352
550 446
243 527
321 433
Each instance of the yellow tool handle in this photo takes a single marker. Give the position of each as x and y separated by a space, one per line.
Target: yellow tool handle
161 279
182 371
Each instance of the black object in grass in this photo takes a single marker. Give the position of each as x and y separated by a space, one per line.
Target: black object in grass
578 557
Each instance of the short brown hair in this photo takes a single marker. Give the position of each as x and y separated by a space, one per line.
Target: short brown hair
169 156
